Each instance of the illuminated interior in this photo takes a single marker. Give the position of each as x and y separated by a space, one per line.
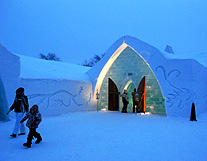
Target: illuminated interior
129 86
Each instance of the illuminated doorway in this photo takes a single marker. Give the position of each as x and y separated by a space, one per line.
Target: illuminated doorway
129 85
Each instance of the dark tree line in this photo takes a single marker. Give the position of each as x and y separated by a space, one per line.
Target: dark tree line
89 63
50 56
95 59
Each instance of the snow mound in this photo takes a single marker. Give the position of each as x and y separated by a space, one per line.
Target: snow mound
34 68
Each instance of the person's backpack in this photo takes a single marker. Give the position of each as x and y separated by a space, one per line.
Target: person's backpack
136 97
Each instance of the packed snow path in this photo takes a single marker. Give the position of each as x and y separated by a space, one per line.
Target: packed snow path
110 136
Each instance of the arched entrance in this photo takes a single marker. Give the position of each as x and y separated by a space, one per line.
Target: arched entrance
129 85
113 96
128 76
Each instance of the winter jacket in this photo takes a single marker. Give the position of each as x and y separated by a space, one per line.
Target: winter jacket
34 119
124 98
20 104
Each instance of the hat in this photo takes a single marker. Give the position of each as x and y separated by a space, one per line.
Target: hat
34 108
20 91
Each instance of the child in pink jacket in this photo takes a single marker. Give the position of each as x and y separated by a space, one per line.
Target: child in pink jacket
34 119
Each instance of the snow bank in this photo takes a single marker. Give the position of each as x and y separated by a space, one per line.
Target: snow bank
34 68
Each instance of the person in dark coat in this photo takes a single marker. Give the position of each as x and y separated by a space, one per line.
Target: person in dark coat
34 119
125 101
20 106
135 98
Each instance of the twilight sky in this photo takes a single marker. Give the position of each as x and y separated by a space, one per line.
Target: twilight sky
75 30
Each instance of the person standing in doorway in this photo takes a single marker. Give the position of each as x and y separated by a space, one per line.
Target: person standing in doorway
20 106
125 101
135 97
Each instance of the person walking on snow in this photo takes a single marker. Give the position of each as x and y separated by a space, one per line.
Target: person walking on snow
20 106
34 118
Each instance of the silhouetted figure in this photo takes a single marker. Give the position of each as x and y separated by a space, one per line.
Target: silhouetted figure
193 113
135 98
20 106
125 101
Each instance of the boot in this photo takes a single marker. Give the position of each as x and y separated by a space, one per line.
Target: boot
29 141
38 140
13 135
28 145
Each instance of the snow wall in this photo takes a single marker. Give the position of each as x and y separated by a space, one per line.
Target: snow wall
183 82
56 97
53 96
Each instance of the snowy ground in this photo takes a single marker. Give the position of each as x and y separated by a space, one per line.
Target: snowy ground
110 136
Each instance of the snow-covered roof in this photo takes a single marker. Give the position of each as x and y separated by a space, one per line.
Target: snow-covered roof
34 68
200 57
147 51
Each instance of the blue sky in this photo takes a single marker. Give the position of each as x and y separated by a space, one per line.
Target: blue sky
77 29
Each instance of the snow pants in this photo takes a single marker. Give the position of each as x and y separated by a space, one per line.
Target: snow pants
32 133
19 126
124 109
